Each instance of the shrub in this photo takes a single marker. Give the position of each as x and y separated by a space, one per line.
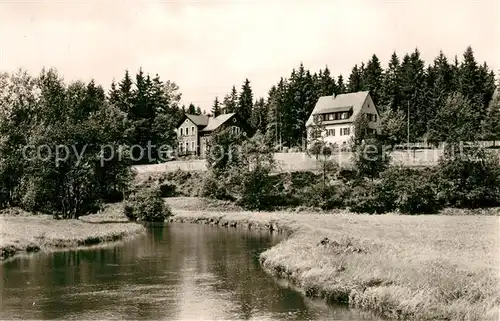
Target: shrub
367 197
256 190
146 205
370 158
410 191
471 179
324 196
214 187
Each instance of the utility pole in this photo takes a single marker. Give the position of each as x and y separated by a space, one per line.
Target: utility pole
408 131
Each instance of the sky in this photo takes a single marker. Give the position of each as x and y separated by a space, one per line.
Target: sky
206 47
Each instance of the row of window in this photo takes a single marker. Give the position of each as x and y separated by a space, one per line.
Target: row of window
343 132
336 116
185 146
187 131
345 115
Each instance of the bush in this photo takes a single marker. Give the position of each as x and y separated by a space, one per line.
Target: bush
146 205
324 196
410 191
368 197
469 180
370 158
256 189
214 187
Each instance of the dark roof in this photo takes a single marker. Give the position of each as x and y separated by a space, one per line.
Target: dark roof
214 123
334 110
198 120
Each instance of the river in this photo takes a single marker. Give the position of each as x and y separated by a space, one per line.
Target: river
178 272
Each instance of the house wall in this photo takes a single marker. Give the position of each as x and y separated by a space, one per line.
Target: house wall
368 107
204 140
191 139
337 137
234 121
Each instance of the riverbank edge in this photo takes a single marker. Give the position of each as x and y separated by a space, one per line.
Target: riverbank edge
348 294
109 231
279 271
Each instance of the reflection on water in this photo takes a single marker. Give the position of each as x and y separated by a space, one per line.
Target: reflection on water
179 272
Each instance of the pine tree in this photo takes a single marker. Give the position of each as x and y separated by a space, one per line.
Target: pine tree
471 79
191 109
245 104
326 84
230 101
355 80
341 89
415 94
486 86
216 110
125 92
372 79
259 115
491 125
391 90
114 94
469 75
198 110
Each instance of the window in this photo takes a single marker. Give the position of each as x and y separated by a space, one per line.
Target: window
187 131
192 130
374 117
235 130
331 117
345 131
192 146
180 131
330 132
187 147
343 115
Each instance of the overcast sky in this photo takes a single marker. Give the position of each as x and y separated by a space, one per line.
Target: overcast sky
207 46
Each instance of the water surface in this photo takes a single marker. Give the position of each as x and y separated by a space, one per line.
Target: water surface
178 272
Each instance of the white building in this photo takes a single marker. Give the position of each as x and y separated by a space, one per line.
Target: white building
337 115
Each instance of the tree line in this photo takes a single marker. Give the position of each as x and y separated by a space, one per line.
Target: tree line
62 144
406 86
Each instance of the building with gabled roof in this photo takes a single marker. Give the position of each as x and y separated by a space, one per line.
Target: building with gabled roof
194 131
336 114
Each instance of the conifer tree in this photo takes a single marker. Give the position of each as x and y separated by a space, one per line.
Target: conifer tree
191 109
114 94
327 86
125 93
245 103
259 115
341 88
391 91
216 110
491 125
230 101
355 80
372 79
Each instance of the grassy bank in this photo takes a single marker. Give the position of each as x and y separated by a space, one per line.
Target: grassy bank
418 267
26 233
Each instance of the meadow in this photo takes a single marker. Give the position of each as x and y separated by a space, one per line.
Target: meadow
428 267
25 232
